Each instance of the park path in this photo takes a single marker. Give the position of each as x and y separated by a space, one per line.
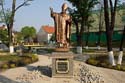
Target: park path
11 75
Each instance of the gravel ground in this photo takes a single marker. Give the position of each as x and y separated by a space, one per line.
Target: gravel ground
40 72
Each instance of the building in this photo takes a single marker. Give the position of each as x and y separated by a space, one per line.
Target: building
45 34
3 27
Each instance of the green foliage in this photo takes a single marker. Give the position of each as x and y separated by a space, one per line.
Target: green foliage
28 31
34 58
24 61
12 61
18 38
4 36
5 66
9 57
81 16
53 37
12 65
123 68
82 8
7 14
123 17
102 61
92 61
122 7
118 67
5 18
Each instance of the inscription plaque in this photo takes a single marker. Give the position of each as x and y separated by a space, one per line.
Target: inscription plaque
62 66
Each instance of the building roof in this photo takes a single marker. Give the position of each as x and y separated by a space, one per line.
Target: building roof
48 29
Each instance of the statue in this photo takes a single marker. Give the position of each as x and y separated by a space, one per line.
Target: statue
62 23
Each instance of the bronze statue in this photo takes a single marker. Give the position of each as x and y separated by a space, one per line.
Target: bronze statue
62 23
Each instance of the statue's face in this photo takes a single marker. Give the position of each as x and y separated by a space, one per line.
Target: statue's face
64 7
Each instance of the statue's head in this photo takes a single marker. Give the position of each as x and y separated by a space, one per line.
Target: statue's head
64 7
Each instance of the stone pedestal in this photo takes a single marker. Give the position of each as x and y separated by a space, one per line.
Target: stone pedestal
62 64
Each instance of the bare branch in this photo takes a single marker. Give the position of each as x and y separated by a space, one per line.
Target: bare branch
23 4
112 9
115 5
111 5
113 13
4 15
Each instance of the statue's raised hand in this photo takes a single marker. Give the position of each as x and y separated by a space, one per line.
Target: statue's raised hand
51 9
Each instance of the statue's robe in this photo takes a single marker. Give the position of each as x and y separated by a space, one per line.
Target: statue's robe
62 27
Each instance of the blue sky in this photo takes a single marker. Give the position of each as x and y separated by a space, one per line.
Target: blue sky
37 14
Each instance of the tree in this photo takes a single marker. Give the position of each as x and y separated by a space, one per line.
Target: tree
123 34
18 37
3 36
88 25
80 15
28 33
101 21
109 13
8 18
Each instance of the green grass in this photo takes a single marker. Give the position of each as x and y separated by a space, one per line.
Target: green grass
89 50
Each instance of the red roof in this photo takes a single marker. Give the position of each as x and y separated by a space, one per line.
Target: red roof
49 29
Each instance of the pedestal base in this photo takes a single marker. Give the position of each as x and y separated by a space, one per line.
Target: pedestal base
62 64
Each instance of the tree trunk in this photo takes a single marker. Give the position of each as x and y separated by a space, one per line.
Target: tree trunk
100 29
122 39
79 40
109 33
78 48
11 26
110 51
99 39
121 49
79 44
87 39
79 33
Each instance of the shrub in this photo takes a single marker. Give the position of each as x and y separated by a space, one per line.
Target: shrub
117 67
16 61
24 61
92 61
103 64
102 61
27 61
5 66
21 63
123 68
12 65
34 58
